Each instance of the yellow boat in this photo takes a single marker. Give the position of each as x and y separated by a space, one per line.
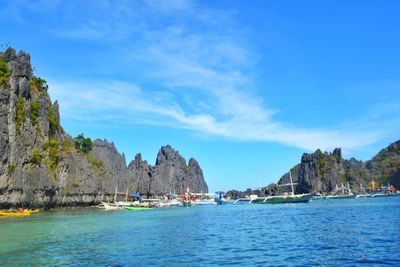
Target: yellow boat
33 211
15 214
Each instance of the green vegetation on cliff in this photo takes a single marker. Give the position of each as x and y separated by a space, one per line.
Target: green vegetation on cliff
36 157
20 113
10 168
53 155
52 160
66 147
97 165
34 112
53 122
4 71
38 85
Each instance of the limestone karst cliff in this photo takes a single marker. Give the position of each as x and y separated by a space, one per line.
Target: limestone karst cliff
40 166
320 172
170 173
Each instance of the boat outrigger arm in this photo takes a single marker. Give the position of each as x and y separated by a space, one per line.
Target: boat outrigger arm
291 183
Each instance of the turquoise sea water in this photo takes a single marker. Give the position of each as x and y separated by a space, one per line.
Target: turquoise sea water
326 232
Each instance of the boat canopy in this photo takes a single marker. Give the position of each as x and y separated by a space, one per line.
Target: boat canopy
203 194
130 195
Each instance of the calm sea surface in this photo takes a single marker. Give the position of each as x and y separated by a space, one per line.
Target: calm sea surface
326 232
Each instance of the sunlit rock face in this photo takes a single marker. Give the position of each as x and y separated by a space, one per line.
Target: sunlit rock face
170 174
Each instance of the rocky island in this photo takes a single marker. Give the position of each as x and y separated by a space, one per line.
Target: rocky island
42 166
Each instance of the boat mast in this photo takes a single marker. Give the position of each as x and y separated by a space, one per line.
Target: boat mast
291 182
115 195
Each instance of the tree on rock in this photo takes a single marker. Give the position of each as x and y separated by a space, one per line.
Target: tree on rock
83 144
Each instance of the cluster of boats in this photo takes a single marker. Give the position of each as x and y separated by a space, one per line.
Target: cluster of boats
304 198
340 192
137 202
188 199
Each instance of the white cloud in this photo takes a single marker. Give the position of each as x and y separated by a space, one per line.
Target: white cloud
128 103
200 67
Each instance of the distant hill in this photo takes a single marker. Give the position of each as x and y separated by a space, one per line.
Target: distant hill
42 166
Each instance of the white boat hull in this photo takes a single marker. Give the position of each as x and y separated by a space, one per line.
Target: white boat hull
204 202
110 206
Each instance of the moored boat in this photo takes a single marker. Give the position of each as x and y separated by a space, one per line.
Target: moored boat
171 200
136 208
110 206
387 194
221 199
363 195
283 199
342 192
295 198
203 199
120 203
341 196
15 213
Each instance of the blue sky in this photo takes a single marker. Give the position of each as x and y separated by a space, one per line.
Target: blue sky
245 88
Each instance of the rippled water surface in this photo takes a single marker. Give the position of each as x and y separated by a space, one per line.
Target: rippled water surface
326 232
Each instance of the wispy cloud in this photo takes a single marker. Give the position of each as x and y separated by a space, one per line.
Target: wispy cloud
199 68
129 103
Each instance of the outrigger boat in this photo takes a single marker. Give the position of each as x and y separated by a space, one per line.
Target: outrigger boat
390 191
289 198
363 192
116 205
344 194
221 199
186 198
203 199
286 198
171 200
112 206
136 208
245 200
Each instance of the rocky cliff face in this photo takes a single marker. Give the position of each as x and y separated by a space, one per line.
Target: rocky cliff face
170 174
321 172
39 164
